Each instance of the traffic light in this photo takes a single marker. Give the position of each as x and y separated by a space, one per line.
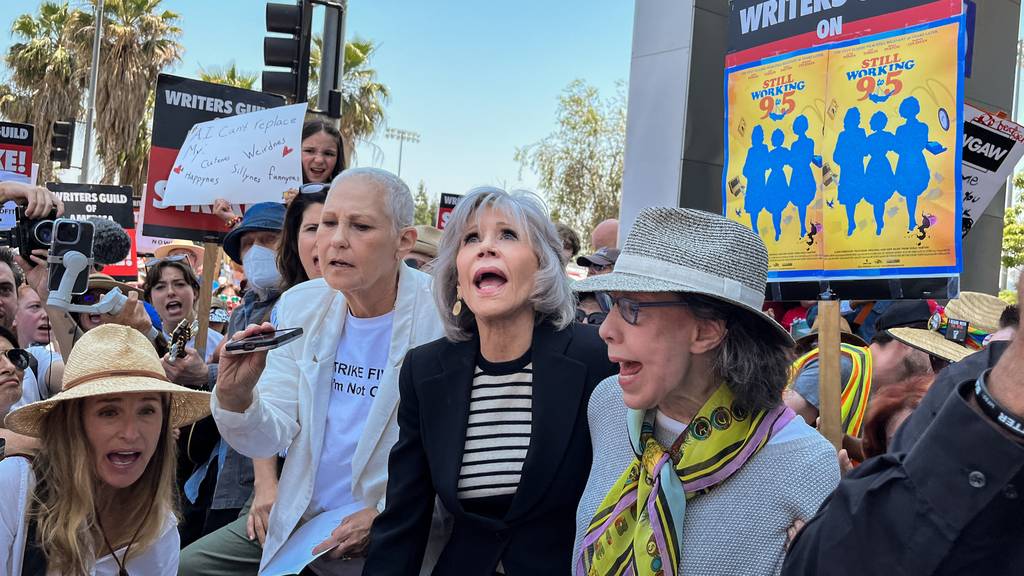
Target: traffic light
62 141
290 52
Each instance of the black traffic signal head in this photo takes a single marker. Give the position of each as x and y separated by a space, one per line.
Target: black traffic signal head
62 142
290 52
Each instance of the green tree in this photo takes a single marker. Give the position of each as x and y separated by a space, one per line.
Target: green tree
580 162
230 76
1013 229
363 97
48 76
139 41
426 209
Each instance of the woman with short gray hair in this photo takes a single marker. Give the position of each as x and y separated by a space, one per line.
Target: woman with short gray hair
710 468
492 419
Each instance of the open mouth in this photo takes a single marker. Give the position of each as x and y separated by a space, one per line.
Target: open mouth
489 280
317 171
123 459
44 327
340 264
173 307
95 318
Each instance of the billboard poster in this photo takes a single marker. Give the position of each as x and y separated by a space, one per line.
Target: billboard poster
845 155
182 103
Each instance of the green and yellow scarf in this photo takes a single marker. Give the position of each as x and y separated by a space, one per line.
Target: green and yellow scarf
638 527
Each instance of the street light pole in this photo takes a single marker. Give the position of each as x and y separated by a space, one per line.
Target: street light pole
402 136
90 106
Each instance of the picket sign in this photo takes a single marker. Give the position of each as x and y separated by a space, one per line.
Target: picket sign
829 385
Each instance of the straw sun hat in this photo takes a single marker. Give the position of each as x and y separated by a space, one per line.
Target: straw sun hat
980 311
113 359
165 250
692 251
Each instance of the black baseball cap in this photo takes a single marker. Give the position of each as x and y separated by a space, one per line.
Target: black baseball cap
904 314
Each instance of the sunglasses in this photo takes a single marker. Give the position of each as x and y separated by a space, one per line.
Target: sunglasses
595 318
17 356
314 188
176 258
89 298
599 267
629 309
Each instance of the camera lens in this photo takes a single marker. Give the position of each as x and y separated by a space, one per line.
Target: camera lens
43 232
68 232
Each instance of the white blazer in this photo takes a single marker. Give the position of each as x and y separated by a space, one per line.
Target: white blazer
289 408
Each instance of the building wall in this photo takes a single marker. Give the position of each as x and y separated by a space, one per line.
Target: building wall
674 134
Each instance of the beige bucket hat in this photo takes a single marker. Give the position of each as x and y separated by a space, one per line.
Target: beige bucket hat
113 359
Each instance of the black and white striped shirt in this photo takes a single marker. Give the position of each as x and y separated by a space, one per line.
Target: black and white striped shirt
498 431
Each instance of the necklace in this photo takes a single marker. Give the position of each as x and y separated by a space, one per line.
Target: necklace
121 570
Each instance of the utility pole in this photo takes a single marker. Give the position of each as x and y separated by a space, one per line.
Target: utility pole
90 106
402 136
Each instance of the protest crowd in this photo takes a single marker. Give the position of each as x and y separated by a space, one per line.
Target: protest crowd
456 404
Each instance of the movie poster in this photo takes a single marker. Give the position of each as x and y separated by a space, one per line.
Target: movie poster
845 156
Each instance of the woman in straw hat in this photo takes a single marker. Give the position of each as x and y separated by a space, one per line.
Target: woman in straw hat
704 468
98 498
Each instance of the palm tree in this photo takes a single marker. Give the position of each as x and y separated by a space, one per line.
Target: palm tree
138 42
362 96
230 76
48 75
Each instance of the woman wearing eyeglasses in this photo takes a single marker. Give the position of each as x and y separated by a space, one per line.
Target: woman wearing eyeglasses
493 418
699 468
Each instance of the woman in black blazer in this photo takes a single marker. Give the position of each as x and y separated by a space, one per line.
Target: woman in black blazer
493 417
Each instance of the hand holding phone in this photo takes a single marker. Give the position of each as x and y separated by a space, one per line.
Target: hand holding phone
263 341
238 373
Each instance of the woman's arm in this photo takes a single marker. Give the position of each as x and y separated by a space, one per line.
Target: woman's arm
399 535
264 496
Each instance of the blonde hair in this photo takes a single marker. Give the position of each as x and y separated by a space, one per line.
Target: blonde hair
64 500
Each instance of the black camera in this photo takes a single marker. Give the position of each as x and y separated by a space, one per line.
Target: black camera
32 233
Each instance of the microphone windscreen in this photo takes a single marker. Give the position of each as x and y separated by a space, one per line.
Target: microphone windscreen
111 243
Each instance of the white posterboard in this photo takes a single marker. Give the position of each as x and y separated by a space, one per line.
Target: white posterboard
249 158
992 147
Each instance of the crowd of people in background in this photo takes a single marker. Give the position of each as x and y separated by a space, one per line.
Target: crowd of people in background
495 398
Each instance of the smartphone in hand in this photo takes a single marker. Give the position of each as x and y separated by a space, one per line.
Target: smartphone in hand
261 342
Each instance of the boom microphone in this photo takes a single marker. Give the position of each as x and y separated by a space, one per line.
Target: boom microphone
111 244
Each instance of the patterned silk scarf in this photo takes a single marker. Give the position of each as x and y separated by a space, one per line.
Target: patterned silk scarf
638 528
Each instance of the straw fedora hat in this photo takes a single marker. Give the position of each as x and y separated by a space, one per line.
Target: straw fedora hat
165 250
428 239
113 359
692 251
101 281
846 336
980 311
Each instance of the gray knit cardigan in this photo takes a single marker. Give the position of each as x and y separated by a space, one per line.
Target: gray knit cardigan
739 528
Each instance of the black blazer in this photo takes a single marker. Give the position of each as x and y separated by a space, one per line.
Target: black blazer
536 536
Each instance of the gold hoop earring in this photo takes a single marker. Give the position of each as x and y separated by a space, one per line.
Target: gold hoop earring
457 308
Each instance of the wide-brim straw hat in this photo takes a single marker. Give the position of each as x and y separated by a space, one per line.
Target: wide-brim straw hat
980 311
846 335
931 342
104 282
165 250
696 252
113 359
428 239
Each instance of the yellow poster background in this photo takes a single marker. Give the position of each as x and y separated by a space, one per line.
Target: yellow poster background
827 96
795 249
932 82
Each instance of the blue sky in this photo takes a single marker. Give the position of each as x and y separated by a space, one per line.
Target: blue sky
475 79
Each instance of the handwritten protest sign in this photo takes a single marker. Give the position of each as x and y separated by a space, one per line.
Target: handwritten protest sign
992 147
248 158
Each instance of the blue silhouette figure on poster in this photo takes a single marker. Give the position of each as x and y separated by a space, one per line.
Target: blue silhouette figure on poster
912 173
879 179
776 192
754 170
802 186
849 154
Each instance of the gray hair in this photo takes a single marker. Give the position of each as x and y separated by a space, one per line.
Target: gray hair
397 195
551 297
751 360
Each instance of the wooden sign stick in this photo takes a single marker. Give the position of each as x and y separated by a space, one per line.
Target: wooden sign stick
829 385
211 270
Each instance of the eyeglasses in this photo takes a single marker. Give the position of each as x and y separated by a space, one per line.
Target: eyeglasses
176 258
598 268
89 298
17 356
594 318
629 309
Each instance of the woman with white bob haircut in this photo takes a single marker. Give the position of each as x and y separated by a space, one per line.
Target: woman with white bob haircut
699 467
492 418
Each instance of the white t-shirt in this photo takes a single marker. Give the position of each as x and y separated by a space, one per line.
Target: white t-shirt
358 365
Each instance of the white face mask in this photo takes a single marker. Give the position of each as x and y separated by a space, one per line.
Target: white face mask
260 265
